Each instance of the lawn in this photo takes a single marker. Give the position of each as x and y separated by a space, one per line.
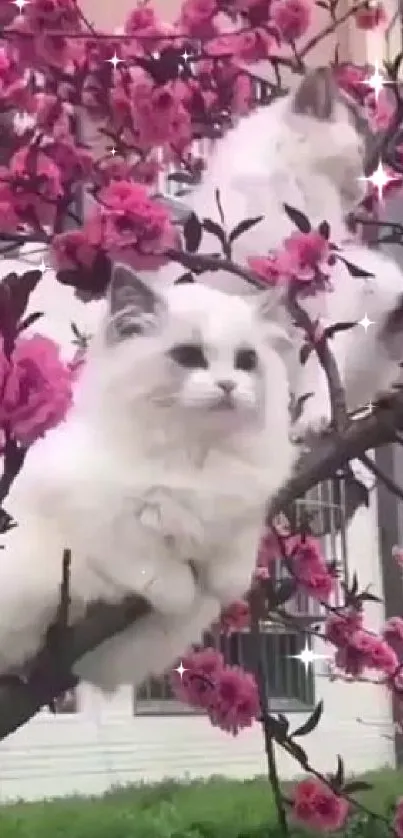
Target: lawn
218 808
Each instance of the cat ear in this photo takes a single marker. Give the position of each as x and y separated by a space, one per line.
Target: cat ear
134 307
267 310
317 94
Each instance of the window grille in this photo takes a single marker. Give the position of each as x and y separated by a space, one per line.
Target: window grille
289 686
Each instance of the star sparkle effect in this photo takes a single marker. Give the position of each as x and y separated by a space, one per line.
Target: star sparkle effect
308 657
377 81
365 322
379 179
180 670
114 61
20 5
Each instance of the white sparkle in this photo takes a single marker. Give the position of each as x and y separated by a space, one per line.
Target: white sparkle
115 60
366 322
379 179
20 5
377 81
186 55
156 55
308 656
180 670
113 151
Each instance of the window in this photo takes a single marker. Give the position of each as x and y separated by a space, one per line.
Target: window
289 687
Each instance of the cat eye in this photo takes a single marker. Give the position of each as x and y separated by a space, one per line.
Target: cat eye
246 360
189 355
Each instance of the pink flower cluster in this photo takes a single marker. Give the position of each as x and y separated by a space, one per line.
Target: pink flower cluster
235 618
305 258
316 806
228 694
126 222
358 649
36 389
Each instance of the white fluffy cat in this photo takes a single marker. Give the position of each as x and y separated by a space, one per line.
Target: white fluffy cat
305 150
178 437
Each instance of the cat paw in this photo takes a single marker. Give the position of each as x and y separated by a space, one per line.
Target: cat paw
174 592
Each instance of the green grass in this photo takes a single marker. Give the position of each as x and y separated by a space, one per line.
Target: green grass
217 808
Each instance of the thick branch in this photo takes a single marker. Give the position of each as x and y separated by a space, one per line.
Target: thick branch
19 701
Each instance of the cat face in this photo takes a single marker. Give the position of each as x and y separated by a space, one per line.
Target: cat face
192 350
335 134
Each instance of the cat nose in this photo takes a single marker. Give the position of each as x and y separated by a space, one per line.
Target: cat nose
226 385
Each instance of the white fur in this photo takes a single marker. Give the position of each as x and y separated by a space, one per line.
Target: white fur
145 475
277 156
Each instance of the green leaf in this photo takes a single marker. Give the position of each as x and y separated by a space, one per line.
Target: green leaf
192 232
214 229
243 227
330 331
357 785
355 270
339 776
310 723
304 353
298 218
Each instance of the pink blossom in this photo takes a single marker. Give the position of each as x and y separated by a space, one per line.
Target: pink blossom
249 45
197 17
143 23
309 566
369 17
235 703
235 618
159 114
33 170
52 14
197 684
36 389
291 17
53 115
272 268
351 79
318 807
142 20
398 818
379 110
128 220
366 651
13 86
339 628
227 693
310 252
393 628
72 250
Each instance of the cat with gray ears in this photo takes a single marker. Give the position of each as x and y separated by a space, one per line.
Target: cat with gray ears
158 480
307 150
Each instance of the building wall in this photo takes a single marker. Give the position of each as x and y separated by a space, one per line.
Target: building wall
104 744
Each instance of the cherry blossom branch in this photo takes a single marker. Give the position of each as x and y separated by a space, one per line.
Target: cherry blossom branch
326 359
254 601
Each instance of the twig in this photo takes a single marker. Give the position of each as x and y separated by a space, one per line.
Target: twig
326 360
264 710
